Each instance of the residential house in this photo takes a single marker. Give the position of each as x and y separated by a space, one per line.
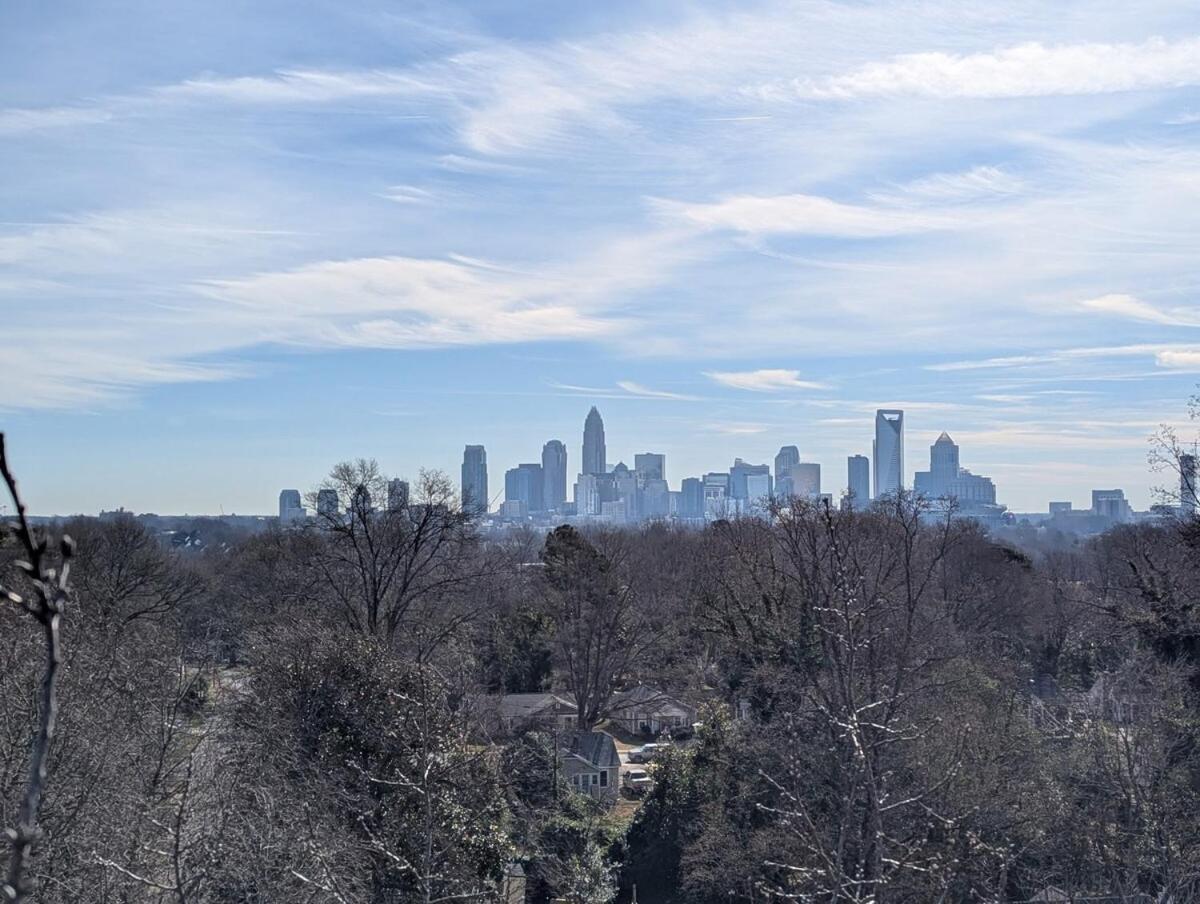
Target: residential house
541 712
590 764
646 710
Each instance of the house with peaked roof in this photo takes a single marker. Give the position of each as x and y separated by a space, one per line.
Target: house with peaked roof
591 764
647 710
541 712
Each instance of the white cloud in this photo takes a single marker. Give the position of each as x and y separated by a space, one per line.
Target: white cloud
1181 359
804 214
979 182
766 380
1136 309
1025 70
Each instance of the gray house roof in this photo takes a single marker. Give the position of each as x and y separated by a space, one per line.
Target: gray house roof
524 706
645 697
596 747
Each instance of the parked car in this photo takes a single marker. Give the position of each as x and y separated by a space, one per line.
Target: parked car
646 753
636 782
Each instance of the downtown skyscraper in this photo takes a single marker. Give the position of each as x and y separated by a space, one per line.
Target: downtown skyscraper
594 455
889 452
858 480
475 480
554 474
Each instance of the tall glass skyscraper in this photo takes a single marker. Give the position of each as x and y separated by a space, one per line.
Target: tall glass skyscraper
594 458
858 480
787 458
554 474
889 452
474 480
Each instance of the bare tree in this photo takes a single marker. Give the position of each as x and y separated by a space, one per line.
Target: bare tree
386 554
600 636
45 605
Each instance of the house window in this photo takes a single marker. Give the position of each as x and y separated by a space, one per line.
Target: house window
595 780
604 779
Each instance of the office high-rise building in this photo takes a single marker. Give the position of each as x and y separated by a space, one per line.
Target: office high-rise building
554 475
858 481
327 503
888 452
524 484
290 507
691 498
475 480
397 495
650 465
947 479
594 456
787 458
739 474
806 480
1187 484
1111 504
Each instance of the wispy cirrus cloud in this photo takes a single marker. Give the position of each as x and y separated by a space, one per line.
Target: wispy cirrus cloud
803 214
625 389
763 380
1135 309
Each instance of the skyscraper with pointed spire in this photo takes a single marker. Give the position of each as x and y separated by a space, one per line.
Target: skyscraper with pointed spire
594 455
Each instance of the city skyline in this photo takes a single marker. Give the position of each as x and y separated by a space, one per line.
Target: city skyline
351 231
629 495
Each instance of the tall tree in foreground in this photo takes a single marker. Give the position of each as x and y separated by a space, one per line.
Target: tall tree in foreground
598 638
390 560
44 602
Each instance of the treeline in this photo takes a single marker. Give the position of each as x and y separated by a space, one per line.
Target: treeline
894 709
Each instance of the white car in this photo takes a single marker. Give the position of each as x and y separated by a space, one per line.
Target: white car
646 753
637 782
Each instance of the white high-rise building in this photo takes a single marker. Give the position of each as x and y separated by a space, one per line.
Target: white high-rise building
889 452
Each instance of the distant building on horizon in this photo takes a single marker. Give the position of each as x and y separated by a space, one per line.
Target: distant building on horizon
806 480
858 481
594 459
397 499
786 459
888 450
650 465
740 474
554 475
1111 504
691 498
1187 484
946 479
291 508
475 497
327 503
716 495
524 484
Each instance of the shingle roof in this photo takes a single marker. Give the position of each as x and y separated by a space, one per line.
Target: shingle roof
516 706
596 747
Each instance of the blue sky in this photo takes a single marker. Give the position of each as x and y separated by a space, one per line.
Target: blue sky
243 241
